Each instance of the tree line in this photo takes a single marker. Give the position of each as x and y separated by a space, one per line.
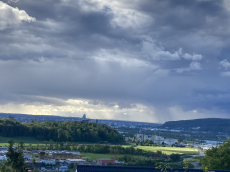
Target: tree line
16 162
149 162
72 131
93 148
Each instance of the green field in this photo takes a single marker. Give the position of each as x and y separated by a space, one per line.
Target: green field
27 140
194 159
93 156
169 150
166 150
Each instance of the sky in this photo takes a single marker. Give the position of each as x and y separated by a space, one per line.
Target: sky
136 60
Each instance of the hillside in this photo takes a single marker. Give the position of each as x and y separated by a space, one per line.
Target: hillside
208 124
61 132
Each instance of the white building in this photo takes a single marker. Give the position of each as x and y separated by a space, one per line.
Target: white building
139 137
63 168
52 161
161 140
213 142
28 157
157 139
147 137
75 161
170 141
129 139
3 158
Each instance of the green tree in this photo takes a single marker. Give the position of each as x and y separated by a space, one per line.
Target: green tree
51 142
217 157
150 142
36 170
110 163
4 168
34 163
15 158
175 157
46 142
21 144
73 131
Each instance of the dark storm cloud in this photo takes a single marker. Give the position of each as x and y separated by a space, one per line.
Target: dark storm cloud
184 15
159 53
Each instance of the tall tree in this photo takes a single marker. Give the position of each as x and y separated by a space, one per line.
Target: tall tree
34 163
15 158
217 157
21 144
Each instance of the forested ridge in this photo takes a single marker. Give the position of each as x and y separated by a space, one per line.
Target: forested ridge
208 124
72 131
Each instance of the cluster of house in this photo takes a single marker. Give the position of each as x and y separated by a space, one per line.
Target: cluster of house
54 160
61 160
3 156
208 144
3 151
154 138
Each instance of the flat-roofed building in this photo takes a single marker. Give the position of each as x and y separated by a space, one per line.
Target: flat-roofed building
76 161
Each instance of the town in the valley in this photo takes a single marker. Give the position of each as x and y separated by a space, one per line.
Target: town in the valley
172 146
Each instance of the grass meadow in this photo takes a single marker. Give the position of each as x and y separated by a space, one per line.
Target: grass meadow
169 150
26 140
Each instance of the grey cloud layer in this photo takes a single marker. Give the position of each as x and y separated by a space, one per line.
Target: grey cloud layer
159 53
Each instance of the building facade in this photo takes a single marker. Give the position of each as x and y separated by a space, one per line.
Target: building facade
103 161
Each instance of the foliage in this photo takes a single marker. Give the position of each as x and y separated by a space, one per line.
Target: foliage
73 131
151 162
15 158
4 168
107 149
109 163
35 170
175 157
21 144
194 159
217 157
93 156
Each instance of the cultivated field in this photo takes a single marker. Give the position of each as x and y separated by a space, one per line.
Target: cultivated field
169 150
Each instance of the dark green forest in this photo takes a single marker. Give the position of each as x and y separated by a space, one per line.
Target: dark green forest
72 131
208 124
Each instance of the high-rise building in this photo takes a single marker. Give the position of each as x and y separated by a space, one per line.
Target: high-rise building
84 117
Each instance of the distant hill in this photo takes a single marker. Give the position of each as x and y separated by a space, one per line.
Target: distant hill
207 124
